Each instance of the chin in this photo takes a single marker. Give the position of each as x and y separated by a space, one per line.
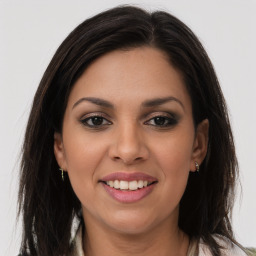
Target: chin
131 223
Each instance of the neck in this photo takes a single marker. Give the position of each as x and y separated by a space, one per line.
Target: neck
165 239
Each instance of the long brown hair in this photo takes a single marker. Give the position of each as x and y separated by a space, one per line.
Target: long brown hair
49 206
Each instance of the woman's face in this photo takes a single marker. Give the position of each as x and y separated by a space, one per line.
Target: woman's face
128 124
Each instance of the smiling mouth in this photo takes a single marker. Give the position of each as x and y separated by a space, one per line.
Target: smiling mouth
124 185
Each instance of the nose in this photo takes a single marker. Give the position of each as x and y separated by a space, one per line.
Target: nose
128 145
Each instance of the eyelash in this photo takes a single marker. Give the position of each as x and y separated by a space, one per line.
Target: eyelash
86 121
168 121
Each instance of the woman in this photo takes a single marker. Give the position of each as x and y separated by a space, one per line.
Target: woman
129 145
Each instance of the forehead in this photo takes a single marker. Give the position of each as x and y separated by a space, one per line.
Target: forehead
130 75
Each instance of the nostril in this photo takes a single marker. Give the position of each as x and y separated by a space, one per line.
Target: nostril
128 152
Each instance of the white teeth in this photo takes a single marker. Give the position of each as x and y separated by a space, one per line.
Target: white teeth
116 184
140 183
127 185
124 184
133 185
111 183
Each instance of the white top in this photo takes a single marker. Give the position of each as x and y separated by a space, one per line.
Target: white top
229 249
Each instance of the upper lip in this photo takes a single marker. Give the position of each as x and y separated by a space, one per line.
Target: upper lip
128 176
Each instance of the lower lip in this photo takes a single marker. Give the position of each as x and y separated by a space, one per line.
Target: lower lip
131 196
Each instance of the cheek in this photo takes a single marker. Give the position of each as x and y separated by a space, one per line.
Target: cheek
83 155
175 161
174 154
83 150
174 158
175 168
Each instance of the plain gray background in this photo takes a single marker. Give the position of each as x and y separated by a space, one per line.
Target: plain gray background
31 31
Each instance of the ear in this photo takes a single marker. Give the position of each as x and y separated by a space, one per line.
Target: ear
200 144
59 151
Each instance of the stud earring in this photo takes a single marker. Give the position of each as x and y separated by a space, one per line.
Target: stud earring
62 173
197 166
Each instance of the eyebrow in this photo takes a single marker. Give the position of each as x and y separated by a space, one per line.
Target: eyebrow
147 103
161 101
97 101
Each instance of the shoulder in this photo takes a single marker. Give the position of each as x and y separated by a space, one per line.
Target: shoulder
228 248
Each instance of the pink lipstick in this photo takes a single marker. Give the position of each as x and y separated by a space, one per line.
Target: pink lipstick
128 187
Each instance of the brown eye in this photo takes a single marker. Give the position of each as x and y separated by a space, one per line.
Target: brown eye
95 121
162 121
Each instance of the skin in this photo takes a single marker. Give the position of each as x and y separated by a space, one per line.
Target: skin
129 139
